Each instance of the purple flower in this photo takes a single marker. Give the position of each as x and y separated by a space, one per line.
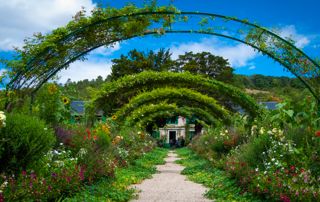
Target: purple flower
33 176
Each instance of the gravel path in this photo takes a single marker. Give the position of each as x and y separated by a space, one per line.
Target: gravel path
169 185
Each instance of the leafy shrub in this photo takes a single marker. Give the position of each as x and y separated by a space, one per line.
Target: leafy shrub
251 152
26 139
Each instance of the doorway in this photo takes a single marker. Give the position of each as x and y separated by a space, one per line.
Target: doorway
172 138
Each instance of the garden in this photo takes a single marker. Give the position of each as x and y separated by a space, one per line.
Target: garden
253 154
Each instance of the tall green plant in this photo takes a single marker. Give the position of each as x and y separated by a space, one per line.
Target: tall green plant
26 139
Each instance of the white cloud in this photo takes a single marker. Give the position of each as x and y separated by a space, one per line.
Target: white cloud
89 69
251 67
238 56
22 18
2 71
106 51
290 31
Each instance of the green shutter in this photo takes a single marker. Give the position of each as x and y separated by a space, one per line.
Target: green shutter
156 134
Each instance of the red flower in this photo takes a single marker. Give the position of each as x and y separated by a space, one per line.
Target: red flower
292 168
24 173
317 133
89 133
95 137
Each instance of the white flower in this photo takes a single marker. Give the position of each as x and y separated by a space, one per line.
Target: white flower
2 119
257 169
273 159
82 152
274 130
56 152
261 131
59 163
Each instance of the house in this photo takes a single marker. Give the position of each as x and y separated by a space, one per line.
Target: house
77 112
176 129
270 105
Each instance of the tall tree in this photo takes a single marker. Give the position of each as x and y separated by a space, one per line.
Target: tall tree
215 67
136 62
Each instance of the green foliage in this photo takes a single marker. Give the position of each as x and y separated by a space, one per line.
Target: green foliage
44 55
25 139
277 159
51 105
215 67
251 153
181 96
117 189
221 187
115 94
137 62
202 116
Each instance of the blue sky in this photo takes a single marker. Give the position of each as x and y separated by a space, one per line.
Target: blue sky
295 18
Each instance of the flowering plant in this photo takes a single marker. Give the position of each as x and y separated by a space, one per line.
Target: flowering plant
2 119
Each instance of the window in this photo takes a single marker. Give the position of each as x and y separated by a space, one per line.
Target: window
172 120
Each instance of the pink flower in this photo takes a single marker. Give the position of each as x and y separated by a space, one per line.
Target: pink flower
284 198
1 198
24 173
81 173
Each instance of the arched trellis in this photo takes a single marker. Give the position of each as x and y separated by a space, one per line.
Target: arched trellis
203 116
44 56
148 112
115 94
184 96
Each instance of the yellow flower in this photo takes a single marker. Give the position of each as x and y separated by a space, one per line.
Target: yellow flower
65 100
52 88
114 117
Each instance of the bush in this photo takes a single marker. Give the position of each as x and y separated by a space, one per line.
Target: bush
251 152
25 139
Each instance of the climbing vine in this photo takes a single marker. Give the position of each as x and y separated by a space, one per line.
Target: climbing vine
186 97
43 55
201 115
148 112
115 94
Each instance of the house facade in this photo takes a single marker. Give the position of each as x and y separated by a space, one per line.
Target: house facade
177 129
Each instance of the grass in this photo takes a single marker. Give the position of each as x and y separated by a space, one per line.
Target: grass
117 188
221 187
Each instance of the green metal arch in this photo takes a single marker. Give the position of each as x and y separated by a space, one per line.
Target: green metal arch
174 95
114 95
204 117
146 112
262 39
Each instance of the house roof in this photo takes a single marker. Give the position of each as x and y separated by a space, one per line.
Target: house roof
270 105
77 107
